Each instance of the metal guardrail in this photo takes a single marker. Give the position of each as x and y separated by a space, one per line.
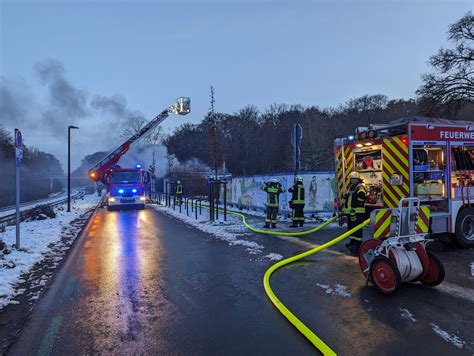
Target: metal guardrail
23 214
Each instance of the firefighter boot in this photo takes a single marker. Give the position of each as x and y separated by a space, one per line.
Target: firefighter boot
354 248
301 223
267 225
274 225
295 224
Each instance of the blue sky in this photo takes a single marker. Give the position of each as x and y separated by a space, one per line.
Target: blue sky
253 52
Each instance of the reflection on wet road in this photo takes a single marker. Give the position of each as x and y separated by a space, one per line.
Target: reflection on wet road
141 282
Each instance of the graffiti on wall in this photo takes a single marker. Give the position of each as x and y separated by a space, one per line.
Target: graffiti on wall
319 190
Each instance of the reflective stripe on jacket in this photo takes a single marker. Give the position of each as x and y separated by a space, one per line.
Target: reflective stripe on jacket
273 194
354 202
297 197
179 189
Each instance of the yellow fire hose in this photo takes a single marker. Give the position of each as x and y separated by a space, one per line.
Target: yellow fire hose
312 337
281 233
267 232
292 318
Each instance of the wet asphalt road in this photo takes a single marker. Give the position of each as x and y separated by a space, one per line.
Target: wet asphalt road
141 282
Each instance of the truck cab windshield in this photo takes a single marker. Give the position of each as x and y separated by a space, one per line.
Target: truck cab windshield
125 177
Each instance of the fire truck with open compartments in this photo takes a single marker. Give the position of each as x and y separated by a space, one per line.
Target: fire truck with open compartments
127 186
425 158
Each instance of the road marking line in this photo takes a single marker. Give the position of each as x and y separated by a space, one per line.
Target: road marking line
70 286
48 342
87 244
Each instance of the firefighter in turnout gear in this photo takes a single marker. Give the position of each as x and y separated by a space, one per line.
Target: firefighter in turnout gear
179 192
297 202
354 210
273 188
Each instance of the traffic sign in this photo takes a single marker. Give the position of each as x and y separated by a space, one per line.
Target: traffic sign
18 139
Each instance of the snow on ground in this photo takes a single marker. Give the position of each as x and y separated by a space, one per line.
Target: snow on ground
37 239
406 315
472 269
337 289
282 217
273 257
452 339
220 229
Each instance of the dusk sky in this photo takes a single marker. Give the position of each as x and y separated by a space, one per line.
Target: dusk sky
253 52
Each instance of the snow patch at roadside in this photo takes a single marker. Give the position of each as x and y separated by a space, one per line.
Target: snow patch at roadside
37 239
406 315
219 229
472 269
337 289
273 257
452 339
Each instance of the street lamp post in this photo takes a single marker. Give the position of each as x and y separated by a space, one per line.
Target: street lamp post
69 166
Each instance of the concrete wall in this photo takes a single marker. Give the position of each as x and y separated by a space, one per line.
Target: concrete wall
319 195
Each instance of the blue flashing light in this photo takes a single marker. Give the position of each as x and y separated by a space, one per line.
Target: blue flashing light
120 191
134 190
351 137
138 166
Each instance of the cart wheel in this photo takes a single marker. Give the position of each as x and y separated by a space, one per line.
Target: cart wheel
385 275
366 246
425 262
436 271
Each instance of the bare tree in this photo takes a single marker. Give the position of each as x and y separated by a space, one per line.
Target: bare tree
453 79
134 124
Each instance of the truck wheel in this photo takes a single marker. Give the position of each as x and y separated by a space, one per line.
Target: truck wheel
385 275
436 271
465 228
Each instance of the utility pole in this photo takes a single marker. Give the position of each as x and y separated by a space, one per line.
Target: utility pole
69 166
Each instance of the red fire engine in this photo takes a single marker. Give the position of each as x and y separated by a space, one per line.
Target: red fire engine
425 158
127 186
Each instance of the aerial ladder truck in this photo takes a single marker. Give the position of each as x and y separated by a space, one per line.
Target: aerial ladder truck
126 186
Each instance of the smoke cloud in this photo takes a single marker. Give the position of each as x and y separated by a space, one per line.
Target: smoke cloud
15 101
44 122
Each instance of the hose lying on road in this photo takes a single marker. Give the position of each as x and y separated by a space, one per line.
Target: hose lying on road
292 318
281 233
312 337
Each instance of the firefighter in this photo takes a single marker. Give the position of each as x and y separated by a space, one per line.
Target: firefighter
273 188
354 210
297 202
179 192
100 186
